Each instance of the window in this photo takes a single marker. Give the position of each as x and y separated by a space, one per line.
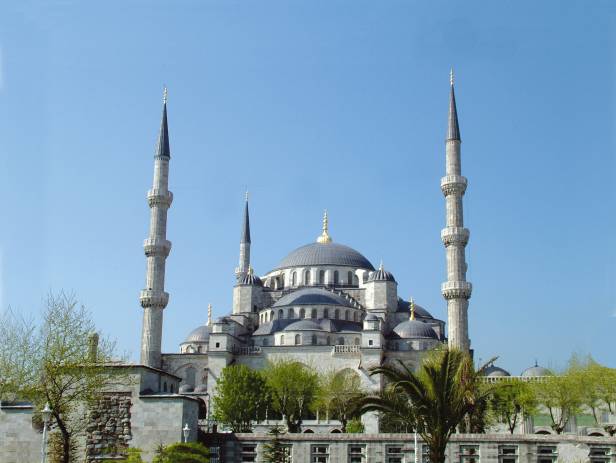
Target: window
364 277
291 313
370 342
319 454
341 341
199 349
280 314
357 453
298 339
313 340
313 313
336 314
394 454
322 277
508 453
265 342
350 278
271 316
599 454
355 316
546 453
165 386
469 454
217 344
346 315
249 453
282 339
336 277
325 313
302 313
356 341
294 279
329 340
282 280
355 280
307 278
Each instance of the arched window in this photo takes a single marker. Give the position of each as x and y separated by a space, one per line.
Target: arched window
280 314
199 349
282 339
341 341
325 313
322 277
313 313
298 339
350 277
302 313
356 341
282 280
354 316
294 279
346 315
313 340
336 314
307 278
336 277
291 313
329 340
271 316
355 280
265 342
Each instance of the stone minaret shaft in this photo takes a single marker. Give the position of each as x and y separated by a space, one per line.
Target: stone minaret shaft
456 290
244 263
154 298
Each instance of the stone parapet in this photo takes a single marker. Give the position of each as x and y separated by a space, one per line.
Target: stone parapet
152 298
455 235
456 289
453 184
156 247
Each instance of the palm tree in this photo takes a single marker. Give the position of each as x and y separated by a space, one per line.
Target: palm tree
440 396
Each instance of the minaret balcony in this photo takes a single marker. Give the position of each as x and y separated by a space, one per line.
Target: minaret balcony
455 235
456 289
453 184
156 247
153 298
159 197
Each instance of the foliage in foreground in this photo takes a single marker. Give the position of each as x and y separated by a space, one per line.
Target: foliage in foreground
190 452
275 451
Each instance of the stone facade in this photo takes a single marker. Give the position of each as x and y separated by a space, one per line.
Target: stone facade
109 426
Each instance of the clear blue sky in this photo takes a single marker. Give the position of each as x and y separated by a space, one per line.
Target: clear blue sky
311 105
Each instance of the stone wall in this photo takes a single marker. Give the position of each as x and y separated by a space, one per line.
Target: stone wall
20 440
109 428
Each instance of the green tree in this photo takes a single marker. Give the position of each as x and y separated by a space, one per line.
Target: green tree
133 455
338 395
58 365
241 398
397 415
190 452
561 395
512 401
442 393
293 388
275 451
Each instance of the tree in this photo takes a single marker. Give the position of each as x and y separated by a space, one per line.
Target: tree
190 452
241 398
275 451
293 388
397 414
561 395
338 395
512 401
441 394
57 365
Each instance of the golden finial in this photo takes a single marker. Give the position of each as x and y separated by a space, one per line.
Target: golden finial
209 315
412 307
324 237
165 95
451 76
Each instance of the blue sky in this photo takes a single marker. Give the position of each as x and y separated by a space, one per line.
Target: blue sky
312 105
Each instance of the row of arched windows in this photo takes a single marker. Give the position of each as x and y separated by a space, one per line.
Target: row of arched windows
351 278
347 315
313 340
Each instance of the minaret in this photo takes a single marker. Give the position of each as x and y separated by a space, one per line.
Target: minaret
154 298
244 244
456 290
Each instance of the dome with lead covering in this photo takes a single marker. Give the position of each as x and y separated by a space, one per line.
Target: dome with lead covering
312 296
381 275
412 329
200 334
405 306
536 371
303 325
493 371
318 254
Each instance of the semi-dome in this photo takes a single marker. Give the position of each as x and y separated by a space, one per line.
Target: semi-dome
303 325
412 329
328 253
404 306
200 334
312 296
536 370
493 371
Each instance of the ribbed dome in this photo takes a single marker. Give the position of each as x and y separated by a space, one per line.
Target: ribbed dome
249 279
494 371
382 275
312 296
315 254
412 329
200 334
536 371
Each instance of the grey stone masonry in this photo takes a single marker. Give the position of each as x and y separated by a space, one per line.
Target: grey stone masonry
154 298
456 290
108 431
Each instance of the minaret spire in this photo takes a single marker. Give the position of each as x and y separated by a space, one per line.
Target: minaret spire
244 263
154 298
456 290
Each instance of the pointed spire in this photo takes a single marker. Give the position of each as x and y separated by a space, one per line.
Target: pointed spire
412 308
209 315
246 225
324 237
453 130
162 148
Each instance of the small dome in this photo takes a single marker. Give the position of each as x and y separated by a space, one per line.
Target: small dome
304 325
249 279
411 329
536 371
493 371
316 254
312 296
200 334
381 275
186 388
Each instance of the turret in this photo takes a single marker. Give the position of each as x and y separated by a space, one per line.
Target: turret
456 290
381 292
154 298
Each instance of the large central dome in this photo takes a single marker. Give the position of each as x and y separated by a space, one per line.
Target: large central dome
316 254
